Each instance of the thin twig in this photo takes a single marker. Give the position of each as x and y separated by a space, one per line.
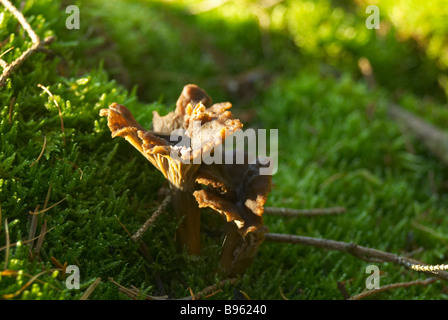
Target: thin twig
151 219
9 68
303 212
423 283
352 248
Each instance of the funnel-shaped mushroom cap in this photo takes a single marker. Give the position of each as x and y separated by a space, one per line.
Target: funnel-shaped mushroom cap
237 191
202 129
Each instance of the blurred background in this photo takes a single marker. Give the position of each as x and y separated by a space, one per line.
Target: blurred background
234 48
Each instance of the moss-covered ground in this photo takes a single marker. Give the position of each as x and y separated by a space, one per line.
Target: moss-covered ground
287 65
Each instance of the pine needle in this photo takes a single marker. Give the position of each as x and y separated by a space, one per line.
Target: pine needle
41 152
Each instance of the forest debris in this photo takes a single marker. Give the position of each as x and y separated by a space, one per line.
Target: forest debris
354 249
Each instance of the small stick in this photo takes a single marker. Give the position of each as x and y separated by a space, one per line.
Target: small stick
352 248
90 289
423 283
151 219
288 212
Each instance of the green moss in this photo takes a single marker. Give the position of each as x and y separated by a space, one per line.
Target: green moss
337 147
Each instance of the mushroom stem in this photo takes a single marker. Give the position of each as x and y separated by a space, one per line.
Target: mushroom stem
238 251
187 210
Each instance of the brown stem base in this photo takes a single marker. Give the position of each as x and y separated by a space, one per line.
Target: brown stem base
187 210
238 252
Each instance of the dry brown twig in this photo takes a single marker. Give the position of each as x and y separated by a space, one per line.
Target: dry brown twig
423 283
38 44
151 219
358 251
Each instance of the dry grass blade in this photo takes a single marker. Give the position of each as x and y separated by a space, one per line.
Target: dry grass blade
7 245
41 152
90 289
46 209
33 228
47 198
4 64
26 241
12 295
11 104
41 238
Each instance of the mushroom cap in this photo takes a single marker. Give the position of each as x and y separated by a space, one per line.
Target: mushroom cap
199 127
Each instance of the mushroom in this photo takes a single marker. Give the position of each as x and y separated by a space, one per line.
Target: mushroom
196 125
239 192
235 190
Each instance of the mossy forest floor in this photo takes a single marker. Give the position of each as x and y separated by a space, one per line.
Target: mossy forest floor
287 65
